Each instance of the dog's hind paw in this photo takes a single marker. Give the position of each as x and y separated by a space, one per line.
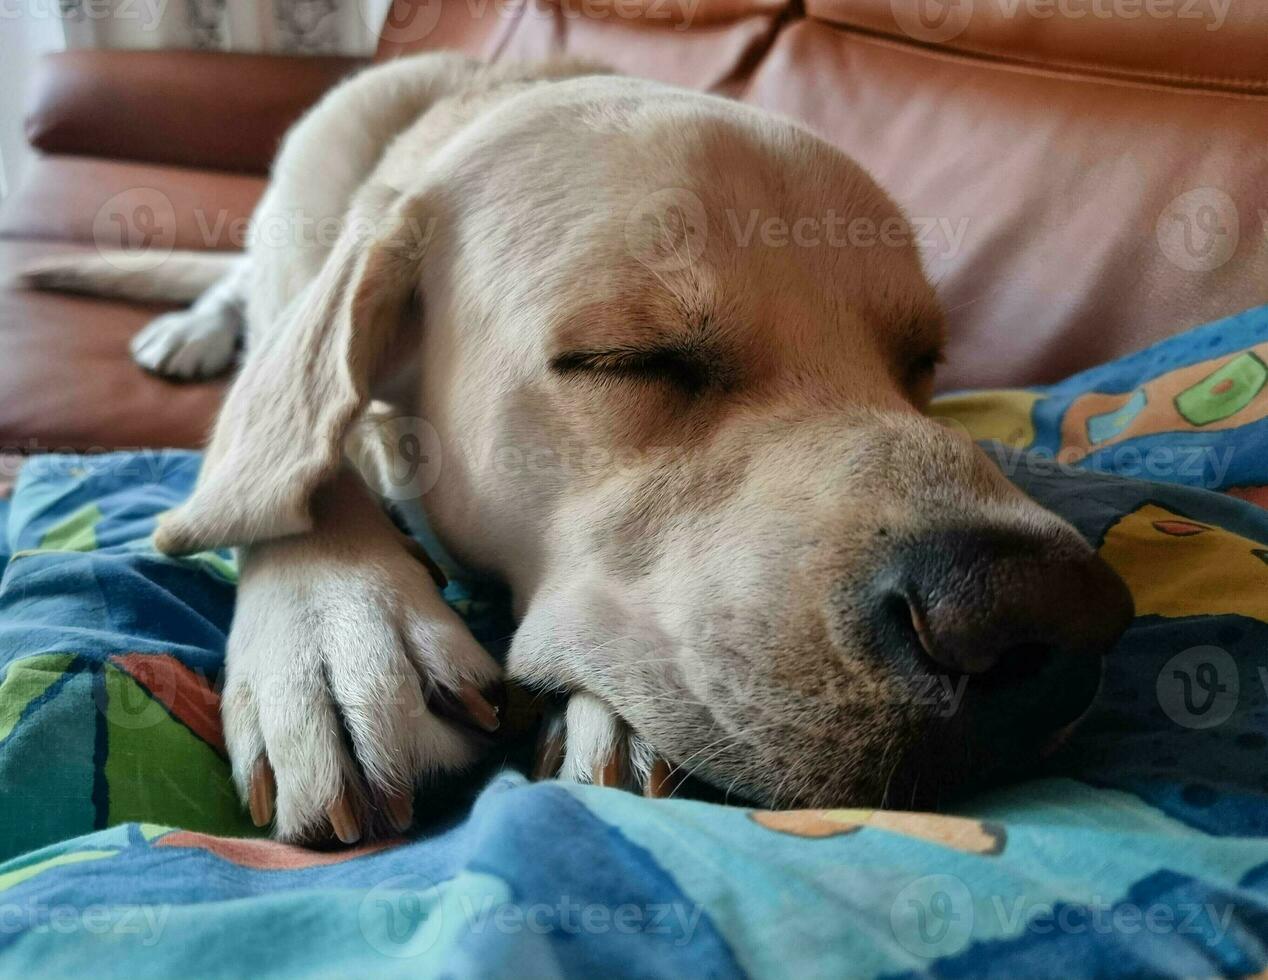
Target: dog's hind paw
588 743
189 344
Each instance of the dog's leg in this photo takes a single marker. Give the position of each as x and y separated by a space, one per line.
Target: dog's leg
198 342
349 680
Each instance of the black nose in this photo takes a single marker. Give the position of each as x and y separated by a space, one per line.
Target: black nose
999 603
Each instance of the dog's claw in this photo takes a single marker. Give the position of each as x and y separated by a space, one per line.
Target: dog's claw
480 710
612 772
400 811
263 792
587 743
660 781
470 706
551 745
342 820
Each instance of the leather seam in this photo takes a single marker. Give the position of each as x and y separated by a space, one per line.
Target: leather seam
791 12
1229 84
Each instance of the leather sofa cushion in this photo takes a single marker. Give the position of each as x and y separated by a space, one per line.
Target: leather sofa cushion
113 205
189 108
1201 43
68 383
1073 218
66 380
696 43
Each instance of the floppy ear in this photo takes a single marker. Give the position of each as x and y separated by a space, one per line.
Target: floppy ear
280 432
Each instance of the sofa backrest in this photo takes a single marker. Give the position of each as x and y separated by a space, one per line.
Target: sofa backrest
1085 176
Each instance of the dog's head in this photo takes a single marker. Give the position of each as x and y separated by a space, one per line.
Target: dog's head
677 354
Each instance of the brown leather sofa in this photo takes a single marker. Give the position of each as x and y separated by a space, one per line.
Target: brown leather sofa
1086 175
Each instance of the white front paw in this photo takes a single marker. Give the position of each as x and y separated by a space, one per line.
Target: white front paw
190 343
348 682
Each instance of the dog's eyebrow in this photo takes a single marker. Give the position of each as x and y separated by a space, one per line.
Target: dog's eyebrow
922 333
616 326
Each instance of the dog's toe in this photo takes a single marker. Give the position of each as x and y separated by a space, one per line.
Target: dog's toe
588 743
343 762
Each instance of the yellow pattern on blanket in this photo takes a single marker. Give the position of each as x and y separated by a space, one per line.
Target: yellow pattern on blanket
1177 567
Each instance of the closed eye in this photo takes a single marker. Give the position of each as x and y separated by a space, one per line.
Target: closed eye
923 366
680 368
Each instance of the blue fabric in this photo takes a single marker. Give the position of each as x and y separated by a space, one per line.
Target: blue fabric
1139 850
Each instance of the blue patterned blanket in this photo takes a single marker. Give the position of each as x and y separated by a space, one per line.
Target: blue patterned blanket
1141 850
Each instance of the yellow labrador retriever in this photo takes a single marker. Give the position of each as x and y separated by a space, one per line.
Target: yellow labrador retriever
697 457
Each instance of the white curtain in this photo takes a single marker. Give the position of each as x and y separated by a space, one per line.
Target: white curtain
29 28
290 26
23 39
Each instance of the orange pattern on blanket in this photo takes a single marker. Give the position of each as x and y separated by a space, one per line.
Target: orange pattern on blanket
188 696
1254 495
959 833
267 855
1221 393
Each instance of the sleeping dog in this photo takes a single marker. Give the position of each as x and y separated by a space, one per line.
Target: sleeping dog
698 459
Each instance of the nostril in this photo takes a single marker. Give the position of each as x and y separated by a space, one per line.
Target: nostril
908 616
1020 662
903 619
920 625
905 612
